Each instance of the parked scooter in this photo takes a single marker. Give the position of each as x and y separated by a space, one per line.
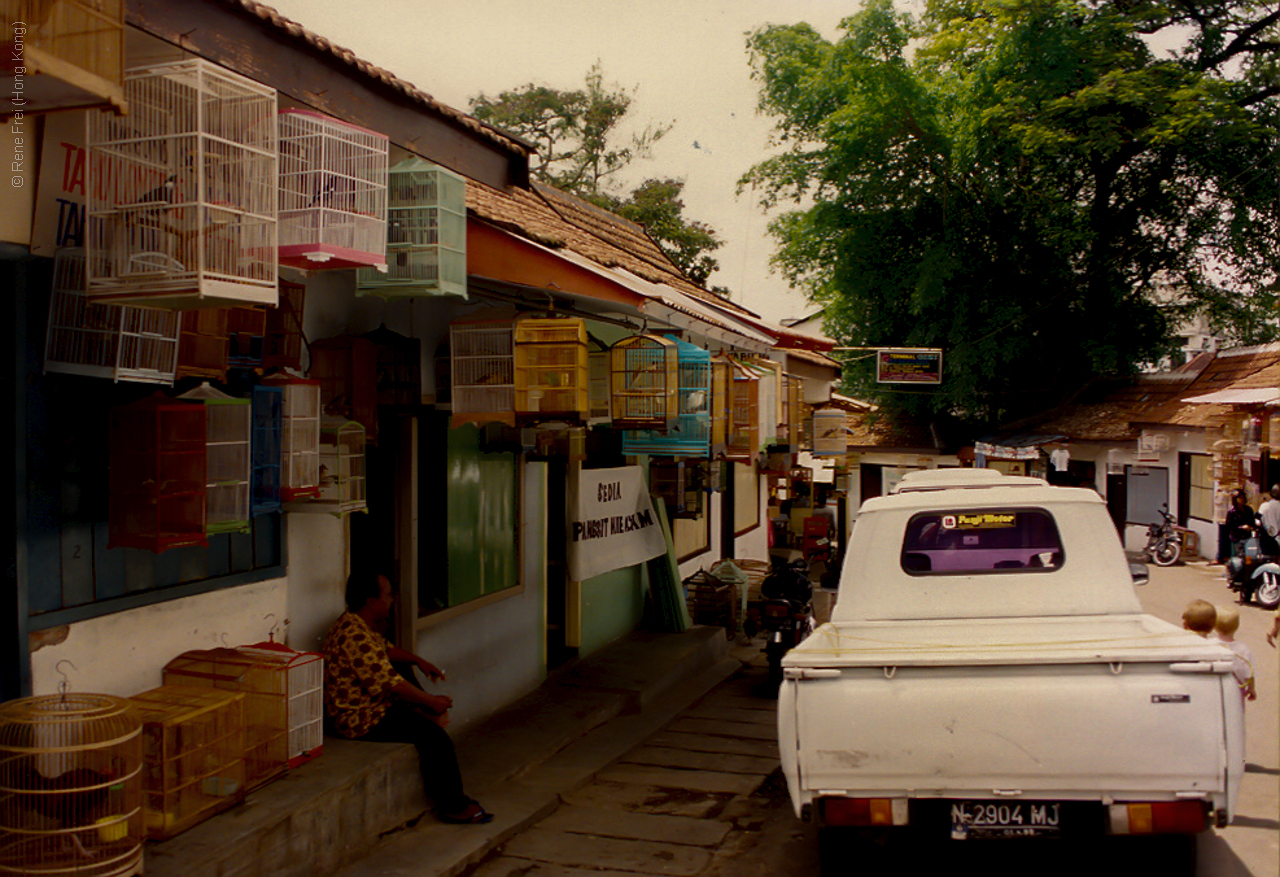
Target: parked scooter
1164 542
1253 575
787 612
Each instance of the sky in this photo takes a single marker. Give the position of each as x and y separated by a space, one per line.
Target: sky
686 61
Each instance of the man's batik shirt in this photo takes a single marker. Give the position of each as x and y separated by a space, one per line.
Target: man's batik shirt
358 676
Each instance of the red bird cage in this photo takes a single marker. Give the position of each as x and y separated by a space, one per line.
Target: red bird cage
157 452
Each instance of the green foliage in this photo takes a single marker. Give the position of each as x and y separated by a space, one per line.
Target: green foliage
575 133
1010 180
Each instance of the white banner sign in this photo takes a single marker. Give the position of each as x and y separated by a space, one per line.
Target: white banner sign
612 524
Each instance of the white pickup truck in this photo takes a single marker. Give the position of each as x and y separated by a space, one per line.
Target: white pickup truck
988 672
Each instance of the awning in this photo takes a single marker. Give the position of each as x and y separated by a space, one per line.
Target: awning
1025 446
1256 396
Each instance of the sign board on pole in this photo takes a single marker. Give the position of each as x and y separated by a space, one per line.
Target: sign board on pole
906 365
612 524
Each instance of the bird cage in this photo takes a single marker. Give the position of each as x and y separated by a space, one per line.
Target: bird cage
342 470
789 426
156 476
305 673
70 786
204 345
282 342
300 437
828 433
228 458
690 434
182 190
246 330
769 374
482 367
598 380
721 384
71 56
644 382
192 755
426 234
551 368
347 368
399 368
116 342
266 449
681 485
333 193
264 682
744 413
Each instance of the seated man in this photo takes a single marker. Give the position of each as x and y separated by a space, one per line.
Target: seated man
366 698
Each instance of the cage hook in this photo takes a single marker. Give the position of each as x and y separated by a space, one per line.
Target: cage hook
65 685
275 625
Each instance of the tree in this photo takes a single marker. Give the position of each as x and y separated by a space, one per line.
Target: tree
575 133
1010 180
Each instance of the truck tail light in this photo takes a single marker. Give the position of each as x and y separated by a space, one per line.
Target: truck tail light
864 812
1160 817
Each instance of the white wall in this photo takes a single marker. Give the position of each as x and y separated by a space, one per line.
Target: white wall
319 562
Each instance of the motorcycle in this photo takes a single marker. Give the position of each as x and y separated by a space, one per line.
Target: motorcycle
1164 542
786 614
1253 575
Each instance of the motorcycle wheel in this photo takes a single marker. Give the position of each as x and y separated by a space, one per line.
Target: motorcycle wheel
1167 552
1268 594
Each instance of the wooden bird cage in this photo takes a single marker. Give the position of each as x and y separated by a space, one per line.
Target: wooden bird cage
721 397
743 441
482 367
305 672
204 344
116 342
246 332
598 380
399 368
182 191
333 193
157 450
71 56
829 433
769 373
266 449
283 342
690 434
426 234
347 368
193 747
551 369
342 470
790 425
264 682
70 786
644 382
300 437
228 458
681 484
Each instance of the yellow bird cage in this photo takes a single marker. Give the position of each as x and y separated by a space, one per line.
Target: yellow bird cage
70 786
192 755
744 438
644 382
721 371
264 682
552 375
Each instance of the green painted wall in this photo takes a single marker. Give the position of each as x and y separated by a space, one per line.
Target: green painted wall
612 606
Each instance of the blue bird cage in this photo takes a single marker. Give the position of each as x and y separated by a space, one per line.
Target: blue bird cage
690 434
267 449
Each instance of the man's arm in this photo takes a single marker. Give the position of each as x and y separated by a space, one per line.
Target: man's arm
435 703
401 656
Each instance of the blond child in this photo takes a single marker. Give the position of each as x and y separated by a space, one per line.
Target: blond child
1199 617
1226 624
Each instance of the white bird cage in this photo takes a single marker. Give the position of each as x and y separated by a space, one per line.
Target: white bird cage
228 469
116 342
426 234
300 446
342 470
333 193
482 367
828 433
183 191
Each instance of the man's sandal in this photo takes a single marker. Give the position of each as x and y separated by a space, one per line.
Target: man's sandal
472 814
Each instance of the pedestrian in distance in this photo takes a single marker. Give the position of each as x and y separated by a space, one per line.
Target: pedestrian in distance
372 693
1269 523
1241 521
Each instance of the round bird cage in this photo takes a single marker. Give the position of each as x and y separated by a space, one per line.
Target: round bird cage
70 786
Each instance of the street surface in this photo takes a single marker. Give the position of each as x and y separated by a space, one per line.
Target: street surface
703 798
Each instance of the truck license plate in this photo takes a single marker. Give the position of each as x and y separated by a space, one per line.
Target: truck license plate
971 820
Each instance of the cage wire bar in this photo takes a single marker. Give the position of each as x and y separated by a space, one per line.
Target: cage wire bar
116 342
228 438
183 191
342 470
690 434
426 234
300 448
643 382
551 368
482 360
333 193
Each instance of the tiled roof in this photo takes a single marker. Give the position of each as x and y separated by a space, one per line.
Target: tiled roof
297 32
878 430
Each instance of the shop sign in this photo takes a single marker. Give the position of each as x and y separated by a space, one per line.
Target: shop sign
612 524
905 365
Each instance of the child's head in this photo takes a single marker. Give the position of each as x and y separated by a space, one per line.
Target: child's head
1228 621
1199 616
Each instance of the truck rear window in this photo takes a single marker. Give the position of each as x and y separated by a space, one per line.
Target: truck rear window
981 540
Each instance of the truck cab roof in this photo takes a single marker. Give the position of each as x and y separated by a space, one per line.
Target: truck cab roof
963 479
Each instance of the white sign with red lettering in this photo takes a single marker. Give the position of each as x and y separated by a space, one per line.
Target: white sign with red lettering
60 192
